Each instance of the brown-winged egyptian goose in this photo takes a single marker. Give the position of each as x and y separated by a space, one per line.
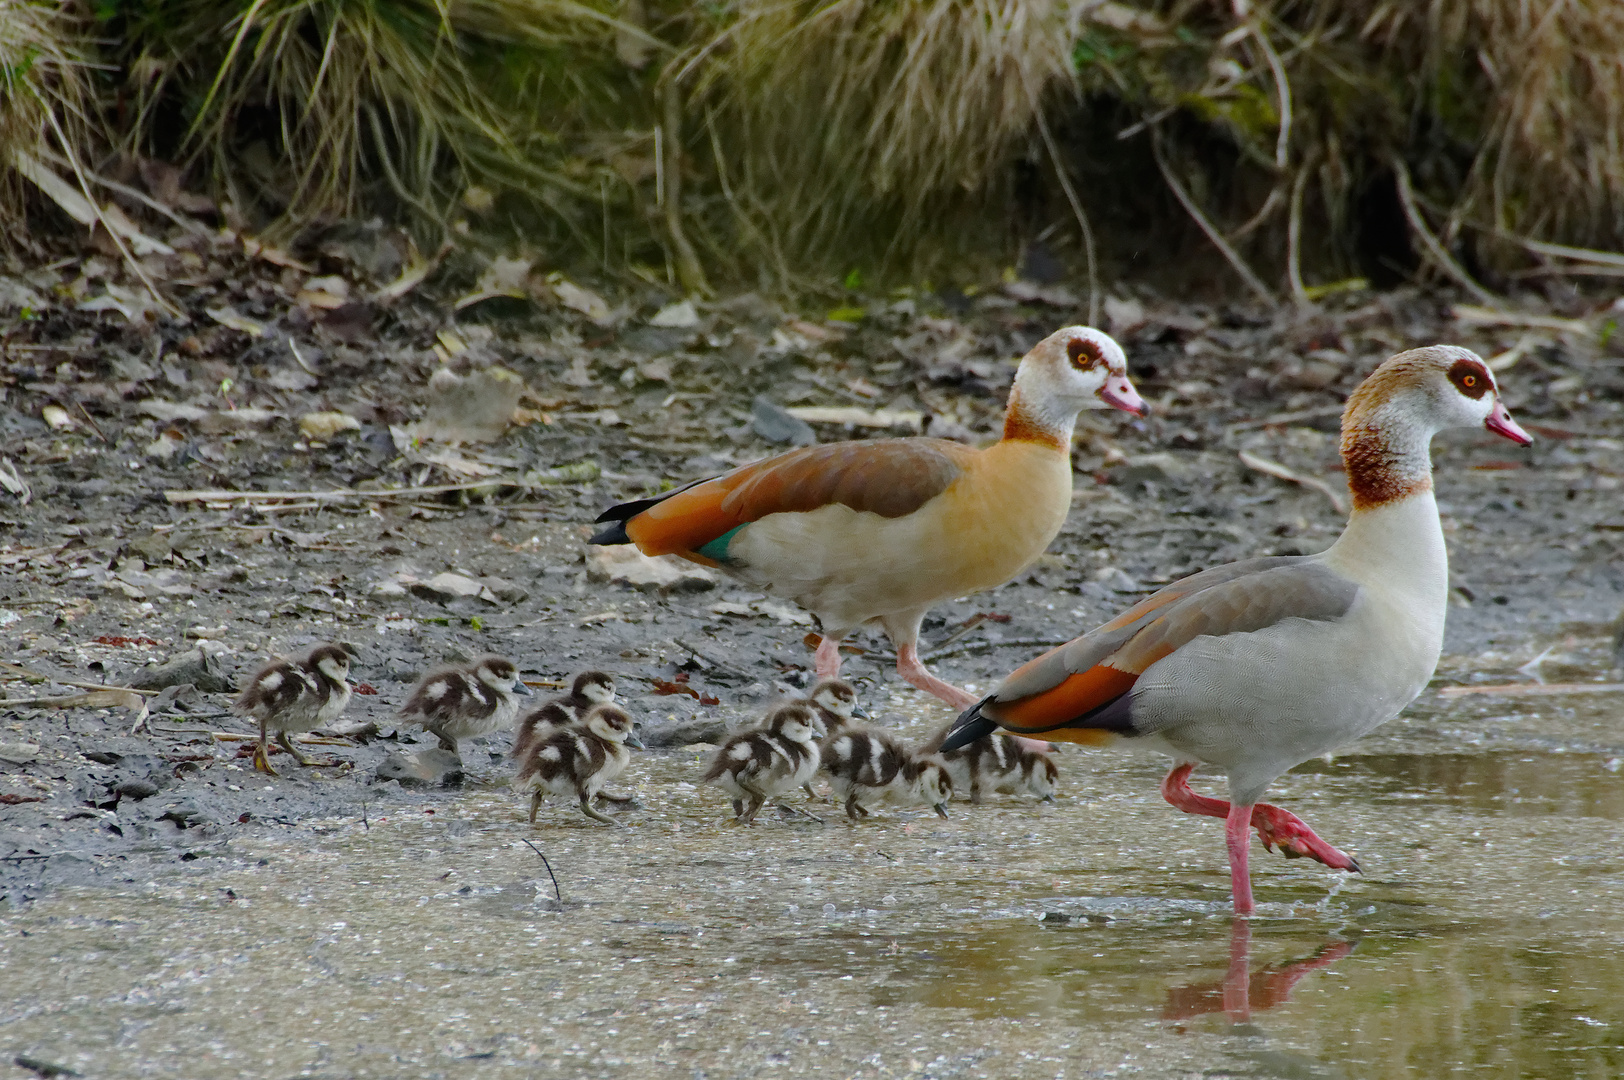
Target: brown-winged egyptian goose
295 695
868 766
883 530
754 766
1260 665
588 689
465 701
579 760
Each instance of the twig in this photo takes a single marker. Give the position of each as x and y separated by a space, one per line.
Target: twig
982 646
1434 250
712 661
30 673
91 420
1279 471
1533 689
803 813
1253 282
1294 239
970 625
1285 418
367 825
1080 214
340 495
690 272
1563 251
557 894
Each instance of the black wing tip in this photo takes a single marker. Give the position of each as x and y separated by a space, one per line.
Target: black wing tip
970 726
614 534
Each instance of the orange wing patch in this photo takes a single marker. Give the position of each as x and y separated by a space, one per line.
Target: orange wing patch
686 521
1077 695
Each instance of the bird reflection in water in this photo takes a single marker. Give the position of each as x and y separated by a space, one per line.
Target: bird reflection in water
1241 992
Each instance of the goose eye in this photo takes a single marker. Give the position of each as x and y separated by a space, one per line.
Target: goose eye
1469 382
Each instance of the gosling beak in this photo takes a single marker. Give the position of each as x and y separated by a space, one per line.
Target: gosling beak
521 687
635 743
941 810
859 712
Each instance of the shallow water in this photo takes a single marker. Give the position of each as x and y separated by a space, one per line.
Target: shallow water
1484 938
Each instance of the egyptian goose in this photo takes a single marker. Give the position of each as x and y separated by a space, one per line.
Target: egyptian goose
295 695
589 688
883 530
465 701
867 766
755 766
1260 665
1003 765
579 760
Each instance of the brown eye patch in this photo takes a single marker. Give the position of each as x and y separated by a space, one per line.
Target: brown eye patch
1470 378
1084 354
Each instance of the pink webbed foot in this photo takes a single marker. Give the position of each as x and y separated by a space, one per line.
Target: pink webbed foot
1275 827
1283 829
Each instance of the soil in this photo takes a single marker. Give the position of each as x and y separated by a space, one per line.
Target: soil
103 574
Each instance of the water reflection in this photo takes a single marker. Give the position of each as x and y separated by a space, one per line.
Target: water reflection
1241 992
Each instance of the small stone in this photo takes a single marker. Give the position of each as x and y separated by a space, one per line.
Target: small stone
775 424
703 729
1055 917
424 768
198 666
623 564
136 788
678 316
19 753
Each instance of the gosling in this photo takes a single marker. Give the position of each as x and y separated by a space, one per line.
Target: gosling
755 766
465 701
868 766
295 695
579 761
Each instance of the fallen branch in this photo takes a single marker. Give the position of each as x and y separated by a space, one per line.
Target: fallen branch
1433 248
1533 689
557 894
337 495
1280 472
105 699
1253 282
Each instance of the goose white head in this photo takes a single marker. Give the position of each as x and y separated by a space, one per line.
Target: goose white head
498 673
332 661
1072 369
1391 418
597 687
934 787
797 723
612 725
837 697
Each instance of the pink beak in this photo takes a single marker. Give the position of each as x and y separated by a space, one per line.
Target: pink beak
1119 393
1501 423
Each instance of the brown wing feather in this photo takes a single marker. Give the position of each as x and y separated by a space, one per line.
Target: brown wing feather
888 477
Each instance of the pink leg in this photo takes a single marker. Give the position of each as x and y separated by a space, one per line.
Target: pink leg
827 658
913 671
1238 835
1275 827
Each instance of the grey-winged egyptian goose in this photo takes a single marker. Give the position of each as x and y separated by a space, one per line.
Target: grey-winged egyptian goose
578 760
883 530
867 766
588 689
295 695
1002 765
1260 665
465 701
754 766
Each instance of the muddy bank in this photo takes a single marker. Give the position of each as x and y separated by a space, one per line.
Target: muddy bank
104 571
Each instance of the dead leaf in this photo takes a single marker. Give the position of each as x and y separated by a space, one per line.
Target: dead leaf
585 301
232 321
324 425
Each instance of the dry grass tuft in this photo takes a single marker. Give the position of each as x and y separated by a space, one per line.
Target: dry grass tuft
308 108
44 92
865 122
